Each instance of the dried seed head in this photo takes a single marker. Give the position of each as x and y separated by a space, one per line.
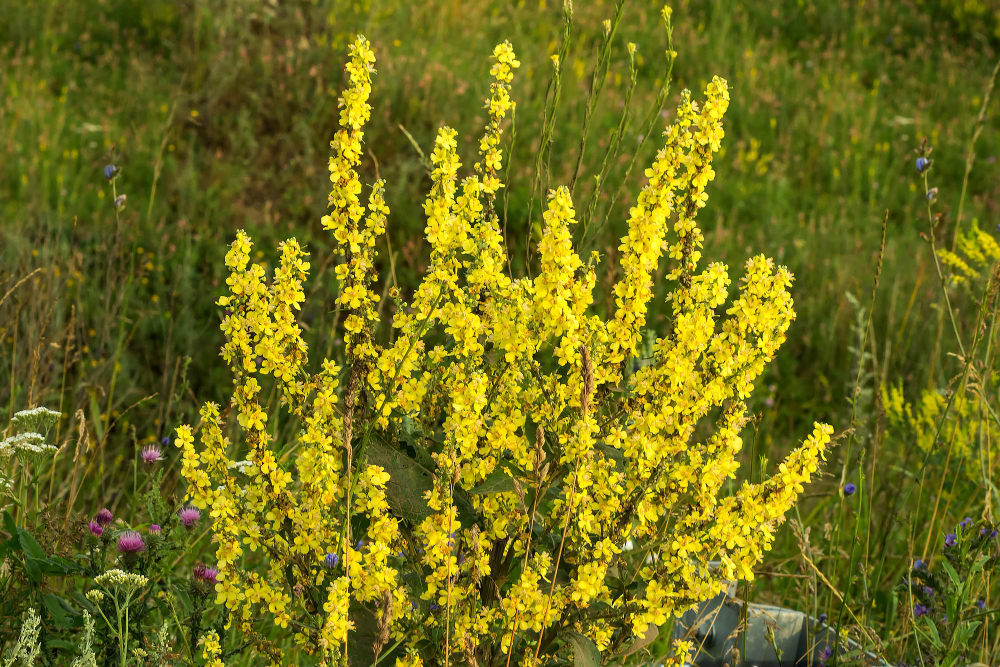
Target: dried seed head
519 490
587 375
539 447
470 652
384 621
474 544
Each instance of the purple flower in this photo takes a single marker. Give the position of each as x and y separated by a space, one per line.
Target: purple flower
966 522
849 489
104 517
928 591
331 560
189 516
96 529
950 539
922 164
993 535
130 542
210 575
823 617
360 545
166 441
155 529
919 564
109 171
920 610
981 604
151 454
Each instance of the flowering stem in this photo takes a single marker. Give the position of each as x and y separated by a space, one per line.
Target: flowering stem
552 587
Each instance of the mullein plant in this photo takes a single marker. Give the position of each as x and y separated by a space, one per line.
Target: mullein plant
501 481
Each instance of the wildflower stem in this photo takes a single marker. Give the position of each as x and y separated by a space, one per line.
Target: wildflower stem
570 500
597 80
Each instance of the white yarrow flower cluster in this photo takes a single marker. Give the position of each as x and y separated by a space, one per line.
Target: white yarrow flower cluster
35 417
28 447
117 578
28 440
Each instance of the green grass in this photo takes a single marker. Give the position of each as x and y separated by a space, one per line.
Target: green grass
219 115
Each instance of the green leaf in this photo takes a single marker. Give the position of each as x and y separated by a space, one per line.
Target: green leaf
360 650
931 633
956 581
652 632
613 453
408 481
585 653
58 565
58 609
965 631
8 524
30 546
497 481
34 570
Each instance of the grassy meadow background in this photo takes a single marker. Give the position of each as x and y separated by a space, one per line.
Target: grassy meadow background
219 115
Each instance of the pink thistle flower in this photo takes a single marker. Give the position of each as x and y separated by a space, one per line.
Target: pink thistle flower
207 574
104 517
96 529
155 529
151 454
130 542
189 516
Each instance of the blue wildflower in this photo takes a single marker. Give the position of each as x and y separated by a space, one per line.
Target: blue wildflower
331 560
950 539
966 522
981 604
849 489
919 564
109 171
920 610
922 164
